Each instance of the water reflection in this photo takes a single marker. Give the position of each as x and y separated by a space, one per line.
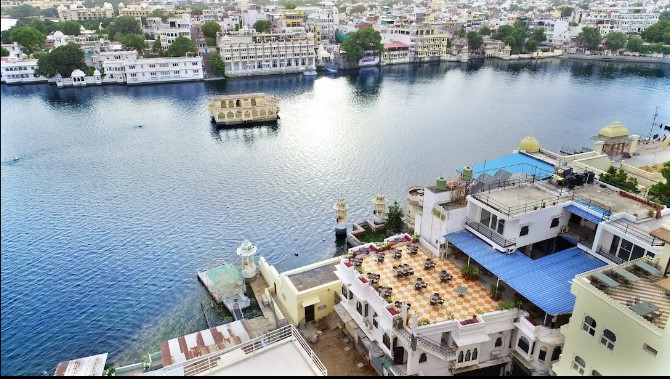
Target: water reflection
614 70
247 134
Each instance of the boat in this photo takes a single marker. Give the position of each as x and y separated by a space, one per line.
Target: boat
331 69
310 73
248 108
368 60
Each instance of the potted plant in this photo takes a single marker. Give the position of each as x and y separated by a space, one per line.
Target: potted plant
399 322
650 212
496 292
469 272
415 237
509 304
424 321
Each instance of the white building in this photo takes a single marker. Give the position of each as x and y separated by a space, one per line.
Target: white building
619 17
325 17
135 10
169 31
133 70
19 71
425 41
250 53
620 322
78 12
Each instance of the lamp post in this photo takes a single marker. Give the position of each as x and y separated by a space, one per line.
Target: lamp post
651 130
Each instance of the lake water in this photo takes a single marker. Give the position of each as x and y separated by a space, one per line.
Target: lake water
105 223
6 23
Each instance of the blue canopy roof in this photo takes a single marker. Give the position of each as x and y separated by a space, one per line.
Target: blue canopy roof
583 214
513 163
545 281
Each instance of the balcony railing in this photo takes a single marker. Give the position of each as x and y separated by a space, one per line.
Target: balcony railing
426 344
234 354
604 253
636 232
490 233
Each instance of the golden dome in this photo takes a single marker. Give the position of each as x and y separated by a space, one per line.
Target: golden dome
613 130
529 144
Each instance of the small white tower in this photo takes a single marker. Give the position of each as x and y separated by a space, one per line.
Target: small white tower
340 209
247 251
380 208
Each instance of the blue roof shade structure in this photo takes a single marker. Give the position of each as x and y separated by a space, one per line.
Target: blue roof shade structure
513 163
583 214
545 281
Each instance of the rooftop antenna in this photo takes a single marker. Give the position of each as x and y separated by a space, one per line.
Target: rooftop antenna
653 123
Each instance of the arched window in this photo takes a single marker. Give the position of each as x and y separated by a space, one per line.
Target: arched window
578 365
608 339
543 353
556 354
474 354
423 358
467 356
498 342
460 357
589 325
523 344
595 373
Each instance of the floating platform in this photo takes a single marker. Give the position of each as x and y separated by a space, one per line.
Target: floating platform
226 285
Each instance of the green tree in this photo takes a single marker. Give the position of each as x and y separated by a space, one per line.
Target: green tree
475 41
510 40
210 28
24 11
460 33
180 47
5 52
360 41
531 45
30 38
635 43
159 13
665 15
49 12
45 27
133 42
659 32
538 35
218 65
290 5
69 28
660 192
262 26
394 218
61 60
123 25
485 31
157 48
360 8
619 179
615 41
197 10
589 38
210 41
567 12
503 32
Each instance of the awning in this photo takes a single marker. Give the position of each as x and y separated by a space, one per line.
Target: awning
583 214
470 339
310 301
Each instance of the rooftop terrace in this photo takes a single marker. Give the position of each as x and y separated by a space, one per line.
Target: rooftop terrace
313 278
461 308
635 286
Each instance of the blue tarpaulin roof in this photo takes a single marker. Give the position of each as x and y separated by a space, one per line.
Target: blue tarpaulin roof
545 281
513 163
583 214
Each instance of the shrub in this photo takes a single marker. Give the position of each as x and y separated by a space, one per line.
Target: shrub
509 304
469 272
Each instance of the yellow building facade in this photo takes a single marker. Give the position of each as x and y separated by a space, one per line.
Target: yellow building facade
304 294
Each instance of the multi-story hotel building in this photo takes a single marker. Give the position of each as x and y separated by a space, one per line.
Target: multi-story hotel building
77 11
620 17
250 53
169 31
134 10
426 43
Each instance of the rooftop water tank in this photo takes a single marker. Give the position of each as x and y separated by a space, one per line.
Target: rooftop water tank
467 173
441 184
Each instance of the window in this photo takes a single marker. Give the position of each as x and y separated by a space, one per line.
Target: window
498 342
423 358
595 373
578 365
543 353
608 339
524 230
589 325
359 307
344 291
387 341
460 357
366 310
501 226
375 323
649 349
554 222
467 356
556 354
474 354
523 344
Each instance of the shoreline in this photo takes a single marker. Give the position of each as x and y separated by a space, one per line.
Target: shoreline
615 58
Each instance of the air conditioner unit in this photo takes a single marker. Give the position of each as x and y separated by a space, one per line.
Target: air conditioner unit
565 229
495 354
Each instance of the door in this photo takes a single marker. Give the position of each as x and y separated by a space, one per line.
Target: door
309 313
398 355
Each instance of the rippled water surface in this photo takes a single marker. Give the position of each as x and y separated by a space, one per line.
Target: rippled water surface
105 223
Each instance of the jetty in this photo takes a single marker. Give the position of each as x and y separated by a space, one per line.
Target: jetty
226 285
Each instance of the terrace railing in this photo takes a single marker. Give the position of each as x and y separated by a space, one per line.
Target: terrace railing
426 344
636 232
542 203
604 253
490 233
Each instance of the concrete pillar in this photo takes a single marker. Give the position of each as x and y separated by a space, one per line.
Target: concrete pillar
632 147
598 146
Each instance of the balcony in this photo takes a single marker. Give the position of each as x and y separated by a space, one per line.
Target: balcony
636 232
489 233
604 253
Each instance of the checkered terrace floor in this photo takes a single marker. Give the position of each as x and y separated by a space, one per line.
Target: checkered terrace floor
476 298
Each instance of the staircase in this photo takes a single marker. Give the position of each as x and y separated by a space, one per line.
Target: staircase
426 344
207 65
